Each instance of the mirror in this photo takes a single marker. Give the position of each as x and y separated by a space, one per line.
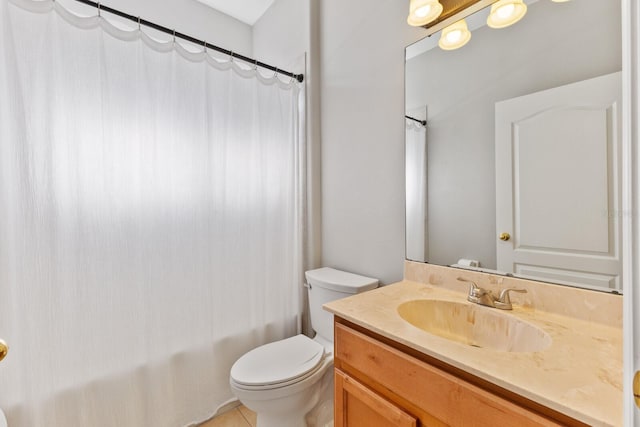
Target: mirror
518 168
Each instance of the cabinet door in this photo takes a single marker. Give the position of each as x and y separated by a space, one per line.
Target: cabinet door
356 405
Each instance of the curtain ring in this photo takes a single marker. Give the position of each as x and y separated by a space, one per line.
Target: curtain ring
174 35
275 73
99 9
205 46
255 64
139 26
231 56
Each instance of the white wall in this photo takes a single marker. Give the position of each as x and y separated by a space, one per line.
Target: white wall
186 16
362 113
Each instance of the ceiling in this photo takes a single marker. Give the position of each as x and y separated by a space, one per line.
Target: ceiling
247 11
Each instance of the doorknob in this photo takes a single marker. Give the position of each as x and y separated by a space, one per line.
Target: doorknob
505 236
4 349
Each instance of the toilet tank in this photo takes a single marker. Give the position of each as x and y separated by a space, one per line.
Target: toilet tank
328 284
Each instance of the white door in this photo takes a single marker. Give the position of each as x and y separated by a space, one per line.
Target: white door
558 184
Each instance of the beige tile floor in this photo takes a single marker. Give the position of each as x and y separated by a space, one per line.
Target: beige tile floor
237 417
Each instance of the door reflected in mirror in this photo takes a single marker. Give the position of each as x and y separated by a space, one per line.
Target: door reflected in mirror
522 140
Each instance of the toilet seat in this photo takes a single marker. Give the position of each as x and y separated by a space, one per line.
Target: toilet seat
278 364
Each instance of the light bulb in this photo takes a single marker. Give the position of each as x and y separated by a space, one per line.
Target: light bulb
454 36
423 11
505 11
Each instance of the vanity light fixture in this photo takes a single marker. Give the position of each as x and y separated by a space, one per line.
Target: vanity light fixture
505 13
455 36
421 12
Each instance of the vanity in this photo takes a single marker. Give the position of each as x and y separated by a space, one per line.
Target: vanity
390 371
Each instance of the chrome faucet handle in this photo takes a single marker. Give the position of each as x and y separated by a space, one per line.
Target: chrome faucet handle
477 294
504 301
474 290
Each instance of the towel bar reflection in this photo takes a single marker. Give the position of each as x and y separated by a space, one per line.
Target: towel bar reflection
4 349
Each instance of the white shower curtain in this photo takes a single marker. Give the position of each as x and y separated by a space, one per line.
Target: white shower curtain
417 246
150 221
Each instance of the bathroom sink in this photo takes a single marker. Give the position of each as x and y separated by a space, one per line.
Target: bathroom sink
474 325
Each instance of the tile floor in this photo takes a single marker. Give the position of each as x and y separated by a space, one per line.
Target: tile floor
237 417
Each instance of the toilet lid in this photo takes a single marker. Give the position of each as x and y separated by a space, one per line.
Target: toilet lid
278 362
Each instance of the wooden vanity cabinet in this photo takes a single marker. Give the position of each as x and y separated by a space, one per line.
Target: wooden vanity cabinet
358 405
381 383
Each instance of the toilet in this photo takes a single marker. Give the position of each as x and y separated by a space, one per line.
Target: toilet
289 383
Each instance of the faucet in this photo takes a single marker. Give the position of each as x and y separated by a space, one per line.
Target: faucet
478 295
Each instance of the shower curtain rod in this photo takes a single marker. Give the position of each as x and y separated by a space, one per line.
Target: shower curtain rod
137 19
422 122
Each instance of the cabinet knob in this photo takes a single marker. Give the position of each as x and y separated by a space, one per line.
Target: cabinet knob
505 236
4 349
